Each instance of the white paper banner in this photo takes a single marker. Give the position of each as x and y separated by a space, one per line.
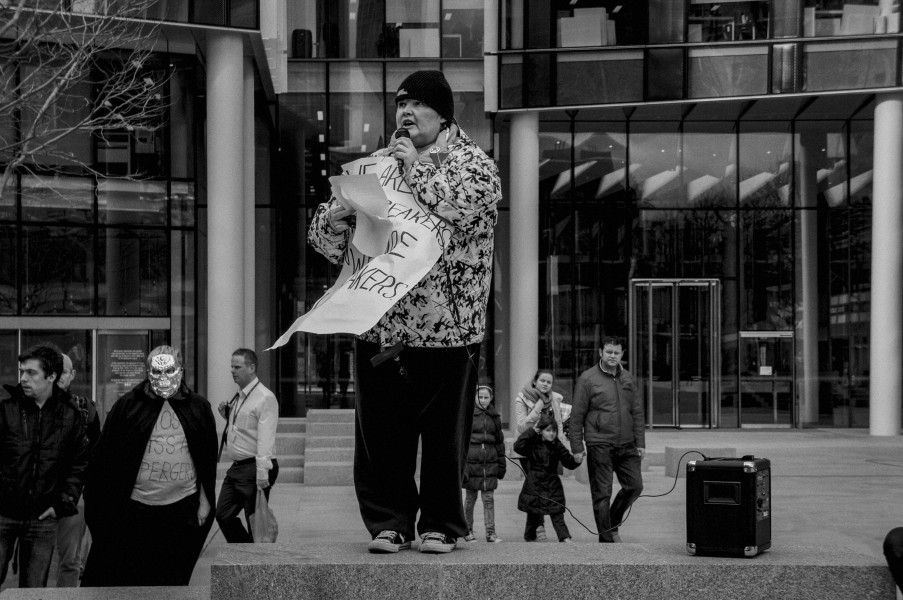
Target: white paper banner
368 287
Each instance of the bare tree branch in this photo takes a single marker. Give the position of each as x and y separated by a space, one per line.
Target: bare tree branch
69 74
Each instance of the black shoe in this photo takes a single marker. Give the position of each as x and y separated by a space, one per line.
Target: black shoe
433 542
388 541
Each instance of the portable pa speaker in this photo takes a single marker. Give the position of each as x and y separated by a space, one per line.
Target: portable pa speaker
729 506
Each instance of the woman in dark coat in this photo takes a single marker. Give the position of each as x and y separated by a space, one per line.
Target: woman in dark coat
150 482
485 462
543 493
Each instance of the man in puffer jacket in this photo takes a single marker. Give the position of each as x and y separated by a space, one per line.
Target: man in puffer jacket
485 463
43 455
607 415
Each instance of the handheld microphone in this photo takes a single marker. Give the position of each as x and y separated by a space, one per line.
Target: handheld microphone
401 133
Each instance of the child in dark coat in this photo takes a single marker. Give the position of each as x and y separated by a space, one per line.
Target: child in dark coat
543 493
485 462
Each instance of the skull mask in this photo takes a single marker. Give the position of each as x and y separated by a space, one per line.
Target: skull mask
165 374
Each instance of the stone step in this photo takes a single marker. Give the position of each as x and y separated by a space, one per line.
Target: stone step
290 444
345 571
291 425
290 475
334 415
329 473
319 455
193 592
330 428
329 441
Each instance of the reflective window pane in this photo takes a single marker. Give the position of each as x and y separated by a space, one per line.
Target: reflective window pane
302 118
765 169
243 13
726 21
593 78
58 272
655 165
665 74
8 198
822 18
183 204
58 140
767 267
513 18
183 293
134 273
862 143
414 26
462 29
181 124
466 81
358 29
666 24
57 199
7 119
728 71
131 202
821 164
850 65
9 296
692 244
709 158
601 23
511 92
356 111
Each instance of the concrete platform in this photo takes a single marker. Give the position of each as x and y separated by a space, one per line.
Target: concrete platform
542 572
833 490
111 593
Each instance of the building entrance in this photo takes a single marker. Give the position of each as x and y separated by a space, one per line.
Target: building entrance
766 378
673 349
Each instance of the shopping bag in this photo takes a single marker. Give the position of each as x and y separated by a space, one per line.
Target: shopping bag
264 527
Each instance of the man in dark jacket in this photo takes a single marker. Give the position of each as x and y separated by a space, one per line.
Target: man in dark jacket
608 416
42 459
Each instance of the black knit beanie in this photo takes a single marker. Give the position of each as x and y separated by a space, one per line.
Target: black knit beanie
431 88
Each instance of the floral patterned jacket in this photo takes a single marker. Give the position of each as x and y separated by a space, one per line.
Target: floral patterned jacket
447 308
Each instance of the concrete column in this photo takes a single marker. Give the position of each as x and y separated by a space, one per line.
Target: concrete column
524 253
250 251
225 213
886 347
490 55
807 325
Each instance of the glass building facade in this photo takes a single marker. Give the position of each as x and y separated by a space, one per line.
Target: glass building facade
704 188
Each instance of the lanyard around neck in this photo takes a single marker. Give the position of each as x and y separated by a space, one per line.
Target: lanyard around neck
238 408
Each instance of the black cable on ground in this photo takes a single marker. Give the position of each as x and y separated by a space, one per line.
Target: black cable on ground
627 514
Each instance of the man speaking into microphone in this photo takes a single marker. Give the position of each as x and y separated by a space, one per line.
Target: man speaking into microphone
416 369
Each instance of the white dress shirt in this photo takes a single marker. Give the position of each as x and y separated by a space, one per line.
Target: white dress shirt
252 427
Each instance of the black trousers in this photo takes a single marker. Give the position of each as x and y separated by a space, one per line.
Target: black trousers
535 520
160 547
625 462
239 493
431 400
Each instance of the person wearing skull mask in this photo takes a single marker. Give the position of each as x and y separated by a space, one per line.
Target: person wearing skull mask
151 482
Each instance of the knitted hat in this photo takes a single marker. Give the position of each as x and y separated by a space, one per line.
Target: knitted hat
431 88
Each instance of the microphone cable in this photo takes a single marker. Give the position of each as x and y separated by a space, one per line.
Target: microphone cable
627 514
